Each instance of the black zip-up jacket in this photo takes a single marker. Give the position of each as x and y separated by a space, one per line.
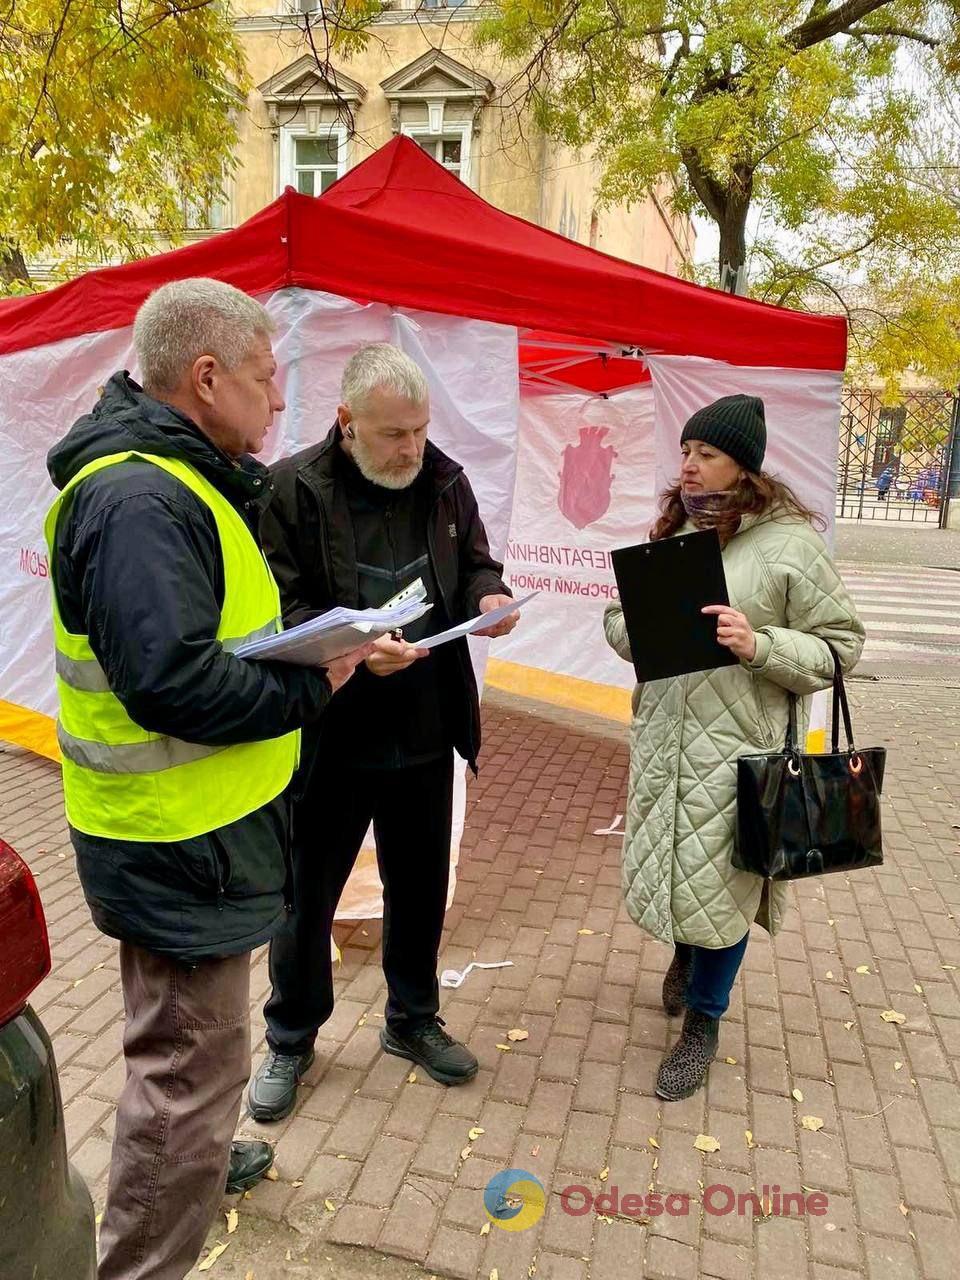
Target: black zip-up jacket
308 537
138 569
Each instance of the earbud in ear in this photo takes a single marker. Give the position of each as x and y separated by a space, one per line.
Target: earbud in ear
348 432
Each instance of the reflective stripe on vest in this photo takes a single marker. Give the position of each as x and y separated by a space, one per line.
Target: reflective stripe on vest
123 781
88 675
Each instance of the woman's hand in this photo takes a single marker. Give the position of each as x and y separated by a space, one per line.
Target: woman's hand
734 632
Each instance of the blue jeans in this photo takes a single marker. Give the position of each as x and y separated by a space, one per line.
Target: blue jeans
712 974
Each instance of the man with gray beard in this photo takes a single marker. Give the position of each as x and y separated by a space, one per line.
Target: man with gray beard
355 520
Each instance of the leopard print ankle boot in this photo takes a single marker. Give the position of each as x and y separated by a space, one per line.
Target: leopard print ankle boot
675 985
684 1069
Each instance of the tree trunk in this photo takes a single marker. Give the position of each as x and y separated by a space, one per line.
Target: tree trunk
727 204
13 267
733 237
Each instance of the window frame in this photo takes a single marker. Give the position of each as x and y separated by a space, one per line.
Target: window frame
460 129
290 134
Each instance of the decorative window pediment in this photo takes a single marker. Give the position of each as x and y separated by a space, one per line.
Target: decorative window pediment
436 79
302 85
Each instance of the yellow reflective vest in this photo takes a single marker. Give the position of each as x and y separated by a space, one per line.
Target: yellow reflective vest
119 779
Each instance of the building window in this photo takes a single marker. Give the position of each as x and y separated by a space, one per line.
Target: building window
450 148
212 216
311 163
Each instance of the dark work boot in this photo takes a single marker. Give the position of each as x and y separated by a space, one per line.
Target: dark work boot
249 1161
273 1090
684 1069
675 983
429 1046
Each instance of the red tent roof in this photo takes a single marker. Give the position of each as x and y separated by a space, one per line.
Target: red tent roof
400 229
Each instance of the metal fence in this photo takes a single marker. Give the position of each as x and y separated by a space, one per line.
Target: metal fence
893 461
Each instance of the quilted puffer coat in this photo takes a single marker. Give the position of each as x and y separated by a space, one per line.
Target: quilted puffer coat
688 731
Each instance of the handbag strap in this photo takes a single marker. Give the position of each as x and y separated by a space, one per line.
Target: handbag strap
840 708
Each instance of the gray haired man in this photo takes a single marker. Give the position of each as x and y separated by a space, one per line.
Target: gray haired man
177 754
355 519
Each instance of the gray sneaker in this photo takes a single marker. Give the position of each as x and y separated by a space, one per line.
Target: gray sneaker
273 1090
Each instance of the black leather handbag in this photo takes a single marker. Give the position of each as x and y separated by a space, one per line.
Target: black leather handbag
804 815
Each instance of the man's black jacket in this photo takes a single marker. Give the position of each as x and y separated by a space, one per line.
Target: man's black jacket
138 569
308 537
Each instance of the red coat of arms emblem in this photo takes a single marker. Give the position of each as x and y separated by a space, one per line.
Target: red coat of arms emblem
585 477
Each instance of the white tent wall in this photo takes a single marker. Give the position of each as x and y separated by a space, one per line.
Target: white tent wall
589 470
473 374
585 484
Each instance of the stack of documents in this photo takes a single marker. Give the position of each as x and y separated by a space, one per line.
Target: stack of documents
334 633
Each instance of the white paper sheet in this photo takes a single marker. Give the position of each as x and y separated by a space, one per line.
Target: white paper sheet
482 621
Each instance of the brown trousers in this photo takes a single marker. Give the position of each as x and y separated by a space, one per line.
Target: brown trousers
186 1042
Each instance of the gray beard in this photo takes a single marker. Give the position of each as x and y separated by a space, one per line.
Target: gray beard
386 479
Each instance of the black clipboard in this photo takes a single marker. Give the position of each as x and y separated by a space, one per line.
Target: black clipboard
663 587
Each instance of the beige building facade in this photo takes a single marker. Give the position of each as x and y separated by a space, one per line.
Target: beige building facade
310 118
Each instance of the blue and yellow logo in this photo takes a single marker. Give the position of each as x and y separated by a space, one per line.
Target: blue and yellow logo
514 1199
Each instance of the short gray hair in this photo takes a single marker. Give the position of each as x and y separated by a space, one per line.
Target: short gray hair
381 364
186 319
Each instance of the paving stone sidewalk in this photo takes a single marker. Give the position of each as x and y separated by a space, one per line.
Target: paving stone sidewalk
572 1103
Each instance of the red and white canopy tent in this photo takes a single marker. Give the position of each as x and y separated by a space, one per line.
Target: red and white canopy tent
560 377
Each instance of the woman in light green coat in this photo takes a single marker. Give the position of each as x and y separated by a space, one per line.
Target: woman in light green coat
788 607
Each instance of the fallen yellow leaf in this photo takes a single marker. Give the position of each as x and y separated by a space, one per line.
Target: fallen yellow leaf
494 1274
654 1143
474 1134
748 1134
532 1270
233 1221
863 968
848 1025
897 1066
504 1047
465 1153
298 1183
703 1142
212 1256
518 1033
604 1173
830 973
797 1094
362 1020
98 1219
903 1209
655 1166
330 1206
949 967
585 932
271 1175
891 1015
412 1078
485 1229
918 989
813 1123
249 1276
731 1062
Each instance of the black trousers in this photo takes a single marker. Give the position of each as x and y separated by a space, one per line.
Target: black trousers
411 811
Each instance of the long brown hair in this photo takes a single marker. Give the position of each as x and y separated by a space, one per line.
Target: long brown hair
754 494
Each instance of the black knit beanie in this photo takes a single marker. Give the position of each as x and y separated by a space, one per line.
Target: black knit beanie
735 425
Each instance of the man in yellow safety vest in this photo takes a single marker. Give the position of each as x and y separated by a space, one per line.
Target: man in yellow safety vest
176 753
